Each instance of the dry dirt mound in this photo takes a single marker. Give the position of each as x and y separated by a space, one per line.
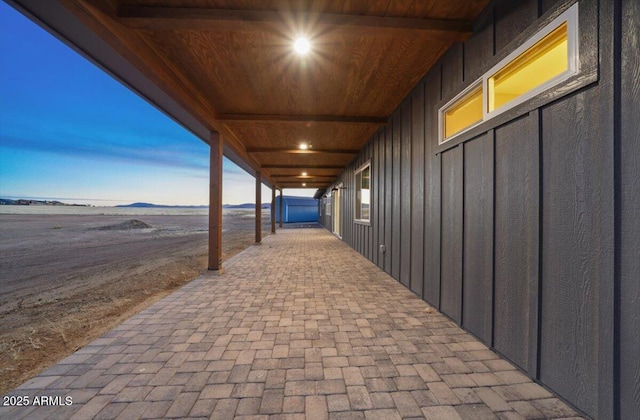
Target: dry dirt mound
128 225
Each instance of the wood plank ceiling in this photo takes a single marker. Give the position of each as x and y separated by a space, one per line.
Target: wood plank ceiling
231 64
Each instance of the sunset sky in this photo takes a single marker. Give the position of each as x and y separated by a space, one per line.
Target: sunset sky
68 131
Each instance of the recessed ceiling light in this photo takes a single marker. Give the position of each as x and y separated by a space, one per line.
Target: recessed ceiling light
304 174
304 185
302 46
304 146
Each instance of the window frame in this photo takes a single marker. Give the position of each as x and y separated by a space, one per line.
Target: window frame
453 102
358 189
571 17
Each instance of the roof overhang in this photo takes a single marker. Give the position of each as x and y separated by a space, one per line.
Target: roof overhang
227 67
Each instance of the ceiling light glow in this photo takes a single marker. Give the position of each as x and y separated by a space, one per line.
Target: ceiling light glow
302 45
304 185
304 146
304 174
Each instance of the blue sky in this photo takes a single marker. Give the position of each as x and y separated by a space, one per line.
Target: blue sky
69 131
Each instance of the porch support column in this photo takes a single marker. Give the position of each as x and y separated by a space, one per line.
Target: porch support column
258 207
281 207
273 209
215 201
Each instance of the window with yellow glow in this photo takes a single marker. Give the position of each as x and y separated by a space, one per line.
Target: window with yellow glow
545 60
463 113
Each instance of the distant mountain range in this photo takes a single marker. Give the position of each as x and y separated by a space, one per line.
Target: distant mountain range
25 202
226 206
158 206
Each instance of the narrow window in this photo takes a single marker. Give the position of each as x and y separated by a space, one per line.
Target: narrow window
544 61
463 112
363 193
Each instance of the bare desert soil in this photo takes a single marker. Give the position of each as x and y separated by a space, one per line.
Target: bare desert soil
67 279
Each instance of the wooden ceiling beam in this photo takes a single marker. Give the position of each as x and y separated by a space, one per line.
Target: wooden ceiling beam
306 182
303 118
150 17
300 177
302 167
299 183
309 172
304 152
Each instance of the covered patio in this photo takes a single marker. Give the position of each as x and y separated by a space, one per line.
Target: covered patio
301 326
232 73
514 211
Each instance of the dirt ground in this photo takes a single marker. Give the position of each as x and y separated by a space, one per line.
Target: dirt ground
67 279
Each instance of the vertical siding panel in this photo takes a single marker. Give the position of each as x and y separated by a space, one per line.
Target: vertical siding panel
375 198
405 195
370 228
610 388
365 241
533 190
630 213
345 197
370 242
395 228
362 229
346 193
417 190
515 238
353 228
350 192
571 248
337 203
432 186
358 228
350 208
451 277
452 71
478 50
382 197
389 196
478 236
512 18
548 4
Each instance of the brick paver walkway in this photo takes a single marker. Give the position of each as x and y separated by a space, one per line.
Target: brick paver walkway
302 325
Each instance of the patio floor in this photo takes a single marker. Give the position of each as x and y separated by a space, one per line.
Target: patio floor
302 325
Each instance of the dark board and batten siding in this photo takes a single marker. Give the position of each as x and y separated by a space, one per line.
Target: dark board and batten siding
406 194
572 247
451 241
516 238
433 193
526 229
396 125
629 210
477 274
417 192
